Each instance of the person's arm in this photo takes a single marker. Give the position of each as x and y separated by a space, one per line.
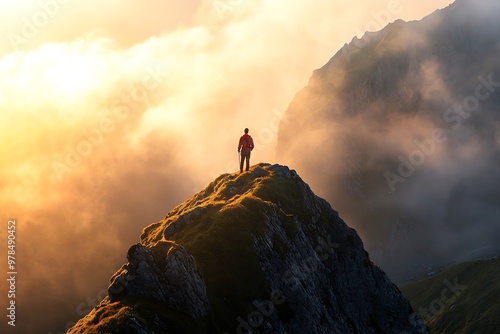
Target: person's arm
240 144
251 144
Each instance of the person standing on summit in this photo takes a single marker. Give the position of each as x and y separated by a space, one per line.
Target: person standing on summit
245 146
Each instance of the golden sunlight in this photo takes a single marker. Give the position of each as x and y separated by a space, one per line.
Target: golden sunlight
10 3
13 6
69 74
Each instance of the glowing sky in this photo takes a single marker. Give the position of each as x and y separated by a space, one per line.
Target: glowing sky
65 62
111 112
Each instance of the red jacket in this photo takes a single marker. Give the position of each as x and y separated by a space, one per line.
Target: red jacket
245 144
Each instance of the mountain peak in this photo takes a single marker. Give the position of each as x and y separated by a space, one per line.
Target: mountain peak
373 105
256 252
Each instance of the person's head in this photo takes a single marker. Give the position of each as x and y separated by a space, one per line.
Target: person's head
246 130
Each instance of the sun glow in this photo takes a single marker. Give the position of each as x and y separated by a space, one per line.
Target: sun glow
67 72
10 6
10 3
70 77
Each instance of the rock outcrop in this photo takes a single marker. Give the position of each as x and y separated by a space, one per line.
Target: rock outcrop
257 252
164 272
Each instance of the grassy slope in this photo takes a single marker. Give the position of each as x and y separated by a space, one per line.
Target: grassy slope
221 239
222 222
115 318
474 308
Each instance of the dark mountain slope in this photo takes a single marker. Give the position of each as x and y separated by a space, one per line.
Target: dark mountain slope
460 300
400 131
257 252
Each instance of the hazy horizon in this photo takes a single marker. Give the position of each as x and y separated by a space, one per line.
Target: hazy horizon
112 113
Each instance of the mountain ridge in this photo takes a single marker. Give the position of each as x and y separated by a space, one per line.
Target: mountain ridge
404 125
460 299
271 257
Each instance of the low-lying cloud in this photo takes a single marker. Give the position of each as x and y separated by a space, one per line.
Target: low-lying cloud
405 128
104 131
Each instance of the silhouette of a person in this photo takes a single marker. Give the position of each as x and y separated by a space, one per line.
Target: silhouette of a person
245 146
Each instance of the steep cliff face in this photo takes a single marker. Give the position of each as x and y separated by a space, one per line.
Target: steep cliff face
257 252
164 272
400 130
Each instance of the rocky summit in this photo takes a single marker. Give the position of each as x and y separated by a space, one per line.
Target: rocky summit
256 252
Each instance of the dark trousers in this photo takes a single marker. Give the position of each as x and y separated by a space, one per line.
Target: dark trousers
245 156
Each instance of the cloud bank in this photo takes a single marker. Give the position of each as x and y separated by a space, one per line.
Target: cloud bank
107 127
405 129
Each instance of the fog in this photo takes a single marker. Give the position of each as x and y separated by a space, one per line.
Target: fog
109 120
406 146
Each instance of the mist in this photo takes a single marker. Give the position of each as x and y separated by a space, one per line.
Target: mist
405 126
108 126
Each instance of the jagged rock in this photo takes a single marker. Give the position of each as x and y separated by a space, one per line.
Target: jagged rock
370 115
261 253
164 272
